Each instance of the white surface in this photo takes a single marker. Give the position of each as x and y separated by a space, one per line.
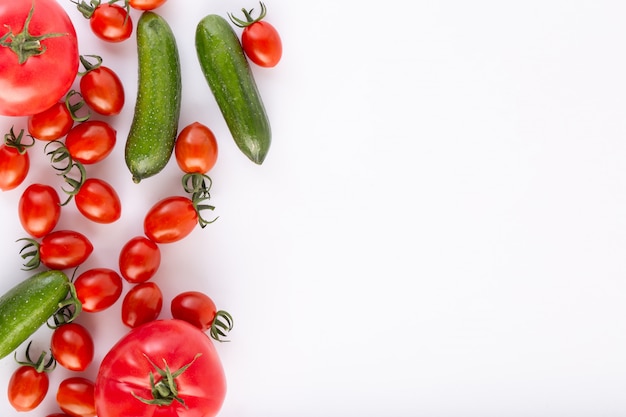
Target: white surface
439 227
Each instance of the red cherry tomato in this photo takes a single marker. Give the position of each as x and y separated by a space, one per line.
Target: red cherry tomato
39 209
52 123
142 304
111 22
27 388
259 39
139 259
75 397
195 308
64 249
102 90
98 289
14 161
45 74
146 4
196 149
58 415
170 220
91 141
98 201
72 346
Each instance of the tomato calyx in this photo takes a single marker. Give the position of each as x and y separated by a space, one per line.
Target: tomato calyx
165 390
16 141
63 162
41 365
222 324
24 44
88 65
199 185
30 254
73 108
68 310
248 15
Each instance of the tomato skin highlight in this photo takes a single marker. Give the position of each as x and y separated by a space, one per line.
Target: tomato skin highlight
72 346
39 209
52 123
111 23
64 249
27 388
91 141
75 397
139 259
98 289
170 220
262 44
14 167
196 149
98 201
28 88
202 386
142 304
103 91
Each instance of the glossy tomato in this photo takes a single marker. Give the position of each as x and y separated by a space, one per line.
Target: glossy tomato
111 22
14 161
52 123
27 388
146 4
195 308
142 304
98 201
39 209
196 149
39 57
64 249
125 371
91 141
98 289
259 39
170 220
72 346
139 259
102 90
76 397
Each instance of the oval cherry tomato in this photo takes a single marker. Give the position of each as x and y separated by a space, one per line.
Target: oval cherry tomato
58 415
111 22
91 141
98 201
64 249
75 397
139 259
146 4
52 123
142 304
103 91
170 220
39 209
195 308
196 149
72 346
14 162
98 289
27 388
44 77
259 39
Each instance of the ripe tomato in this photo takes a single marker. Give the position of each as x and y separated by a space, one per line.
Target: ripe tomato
72 346
111 22
91 141
27 388
58 415
98 201
14 161
146 4
98 289
52 123
196 149
125 371
195 308
170 220
64 249
259 39
142 304
33 79
39 209
139 259
102 90
75 397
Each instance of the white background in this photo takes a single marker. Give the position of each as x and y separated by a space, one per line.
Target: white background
438 230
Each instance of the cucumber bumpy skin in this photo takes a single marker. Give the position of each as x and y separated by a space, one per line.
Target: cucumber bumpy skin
230 79
153 131
28 305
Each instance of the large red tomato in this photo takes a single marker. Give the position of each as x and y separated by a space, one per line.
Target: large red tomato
195 373
33 80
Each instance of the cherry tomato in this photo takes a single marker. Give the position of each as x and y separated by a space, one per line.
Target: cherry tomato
259 39
98 201
111 22
146 4
75 397
64 249
52 123
39 209
91 141
196 149
139 259
98 289
14 161
102 90
33 79
72 346
142 304
58 415
195 308
170 220
27 388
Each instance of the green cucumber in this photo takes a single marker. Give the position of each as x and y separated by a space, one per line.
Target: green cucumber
153 131
28 305
230 79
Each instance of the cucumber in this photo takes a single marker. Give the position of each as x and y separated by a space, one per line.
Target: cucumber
230 79
28 305
154 127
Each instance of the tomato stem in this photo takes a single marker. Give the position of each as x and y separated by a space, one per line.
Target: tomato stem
199 185
13 141
41 365
222 324
30 254
248 15
24 44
